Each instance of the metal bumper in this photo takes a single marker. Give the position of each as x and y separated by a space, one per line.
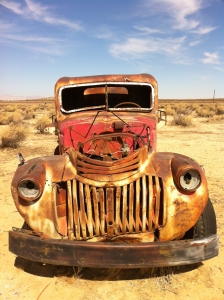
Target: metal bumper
112 255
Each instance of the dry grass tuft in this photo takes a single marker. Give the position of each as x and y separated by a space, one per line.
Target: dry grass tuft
169 110
181 120
15 118
10 108
13 136
42 123
165 280
205 112
4 120
220 109
11 118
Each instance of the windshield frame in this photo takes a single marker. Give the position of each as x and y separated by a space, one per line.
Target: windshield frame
106 83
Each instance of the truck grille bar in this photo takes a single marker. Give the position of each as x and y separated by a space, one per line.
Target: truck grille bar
111 211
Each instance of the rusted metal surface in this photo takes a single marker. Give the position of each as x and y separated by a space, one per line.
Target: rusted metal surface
110 194
113 255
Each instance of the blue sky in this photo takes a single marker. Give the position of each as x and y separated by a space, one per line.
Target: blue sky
180 42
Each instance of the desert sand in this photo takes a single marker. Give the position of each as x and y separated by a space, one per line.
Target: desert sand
21 279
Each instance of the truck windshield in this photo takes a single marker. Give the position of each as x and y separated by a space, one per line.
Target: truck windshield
134 96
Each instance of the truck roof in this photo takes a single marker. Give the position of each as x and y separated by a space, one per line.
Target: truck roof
145 78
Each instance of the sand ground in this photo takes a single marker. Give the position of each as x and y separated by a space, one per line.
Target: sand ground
21 279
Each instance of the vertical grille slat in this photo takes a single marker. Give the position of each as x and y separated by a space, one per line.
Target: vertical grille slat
110 211
117 216
143 204
70 211
82 211
151 204
131 206
157 208
89 211
137 207
124 209
137 210
102 211
76 211
96 211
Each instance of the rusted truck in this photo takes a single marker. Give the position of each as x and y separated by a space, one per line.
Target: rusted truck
106 198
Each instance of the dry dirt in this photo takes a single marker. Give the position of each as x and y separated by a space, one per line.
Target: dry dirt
21 279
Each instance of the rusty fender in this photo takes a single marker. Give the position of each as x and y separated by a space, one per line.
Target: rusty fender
112 255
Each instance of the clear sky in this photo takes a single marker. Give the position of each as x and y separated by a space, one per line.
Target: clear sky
179 42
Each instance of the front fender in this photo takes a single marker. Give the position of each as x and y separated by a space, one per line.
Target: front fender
182 209
49 170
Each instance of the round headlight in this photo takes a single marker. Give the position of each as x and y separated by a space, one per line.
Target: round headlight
190 180
29 189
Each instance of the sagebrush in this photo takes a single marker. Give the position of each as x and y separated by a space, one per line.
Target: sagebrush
13 136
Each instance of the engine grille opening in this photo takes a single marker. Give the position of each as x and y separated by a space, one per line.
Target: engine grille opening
111 211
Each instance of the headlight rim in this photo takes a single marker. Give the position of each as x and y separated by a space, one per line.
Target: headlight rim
181 172
33 181
188 170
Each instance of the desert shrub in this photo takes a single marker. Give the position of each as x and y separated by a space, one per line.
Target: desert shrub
15 118
33 107
4 120
180 108
183 109
41 106
42 123
218 117
13 136
220 109
211 107
29 114
173 106
181 120
169 110
205 112
10 108
194 106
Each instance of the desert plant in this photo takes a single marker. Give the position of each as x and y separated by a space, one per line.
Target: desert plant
42 123
10 108
194 106
42 107
184 109
15 118
181 120
4 120
169 110
220 109
205 112
13 136
218 117
29 114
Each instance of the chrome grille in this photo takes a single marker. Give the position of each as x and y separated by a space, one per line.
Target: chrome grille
111 211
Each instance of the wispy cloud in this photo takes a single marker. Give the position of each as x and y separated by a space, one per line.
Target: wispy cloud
147 30
23 38
204 30
36 11
13 6
5 26
180 12
219 68
104 33
194 43
136 47
210 58
11 35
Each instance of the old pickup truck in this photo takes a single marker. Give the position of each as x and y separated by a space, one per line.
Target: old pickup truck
106 198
